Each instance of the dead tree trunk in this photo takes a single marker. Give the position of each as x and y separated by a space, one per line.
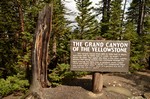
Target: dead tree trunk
123 14
21 16
105 16
141 17
40 52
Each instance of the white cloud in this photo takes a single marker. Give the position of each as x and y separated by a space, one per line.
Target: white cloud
71 6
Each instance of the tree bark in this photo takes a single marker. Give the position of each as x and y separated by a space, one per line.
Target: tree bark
141 17
108 10
124 7
149 62
21 16
40 52
105 16
54 50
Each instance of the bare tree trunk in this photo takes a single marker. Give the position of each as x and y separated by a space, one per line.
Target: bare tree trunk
40 52
54 50
105 16
148 62
21 16
124 7
141 17
24 43
54 44
108 9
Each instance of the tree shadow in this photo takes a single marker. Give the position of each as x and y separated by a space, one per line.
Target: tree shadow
81 82
141 80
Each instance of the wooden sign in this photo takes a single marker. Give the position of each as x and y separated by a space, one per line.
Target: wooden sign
100 55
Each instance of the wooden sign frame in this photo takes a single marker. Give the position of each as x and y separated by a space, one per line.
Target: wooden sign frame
100 55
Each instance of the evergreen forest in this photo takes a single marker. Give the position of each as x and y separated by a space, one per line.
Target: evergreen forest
109 19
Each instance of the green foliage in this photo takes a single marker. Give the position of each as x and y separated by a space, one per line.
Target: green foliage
15 55
60 31
114 31
31 10
15 51
139 43
61 72
111 23
137 52
13 84
87 25
63 49
15 45
111 20
133 12
8 54
146 50
8 17
24 54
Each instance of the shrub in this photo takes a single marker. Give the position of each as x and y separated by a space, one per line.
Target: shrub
13 84
61 72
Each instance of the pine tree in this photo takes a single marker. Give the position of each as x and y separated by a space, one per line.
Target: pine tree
115 21
105 17
9 27
135 49
111 22
138 14
146 31
8 17
59 31
86 22
17 24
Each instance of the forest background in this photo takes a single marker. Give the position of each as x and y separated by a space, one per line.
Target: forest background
108 19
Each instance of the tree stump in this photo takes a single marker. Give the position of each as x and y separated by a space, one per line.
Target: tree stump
40 53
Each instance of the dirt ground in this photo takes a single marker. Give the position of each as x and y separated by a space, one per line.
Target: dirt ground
116 86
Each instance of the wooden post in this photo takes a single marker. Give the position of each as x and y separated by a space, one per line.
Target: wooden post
97 80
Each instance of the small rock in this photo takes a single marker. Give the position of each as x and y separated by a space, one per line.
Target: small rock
91 94
114 82
147 95
137 97
133 93
120 90
119 85
140 94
